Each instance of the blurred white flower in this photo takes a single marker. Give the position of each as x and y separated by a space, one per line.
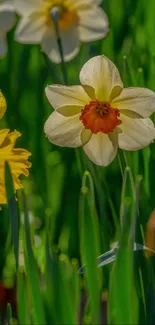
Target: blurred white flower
100 115
79 20
7 20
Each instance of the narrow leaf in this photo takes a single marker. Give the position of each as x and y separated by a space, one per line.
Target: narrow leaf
89 230
13 212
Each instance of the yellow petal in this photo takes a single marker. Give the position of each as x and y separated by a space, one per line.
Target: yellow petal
3 135
2 105
17 159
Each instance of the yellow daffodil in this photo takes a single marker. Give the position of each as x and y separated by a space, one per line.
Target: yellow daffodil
78 21
100 115
7 20
17 158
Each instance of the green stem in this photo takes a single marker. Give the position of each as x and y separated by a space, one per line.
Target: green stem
120 164
125 158
63 65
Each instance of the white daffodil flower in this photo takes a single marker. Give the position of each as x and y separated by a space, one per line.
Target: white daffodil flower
100 115
78 21
7 20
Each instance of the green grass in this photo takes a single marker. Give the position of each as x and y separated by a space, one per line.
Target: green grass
78 209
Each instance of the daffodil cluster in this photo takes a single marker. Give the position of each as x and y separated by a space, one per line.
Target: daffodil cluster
100 114
16 157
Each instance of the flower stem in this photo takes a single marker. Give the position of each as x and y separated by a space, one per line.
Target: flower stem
55 18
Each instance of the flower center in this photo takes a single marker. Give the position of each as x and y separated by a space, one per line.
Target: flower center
100 117
60 9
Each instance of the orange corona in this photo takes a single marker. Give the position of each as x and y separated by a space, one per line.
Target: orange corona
67 18
99 116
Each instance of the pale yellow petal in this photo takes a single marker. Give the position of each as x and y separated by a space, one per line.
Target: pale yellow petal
136 133
84 4
101 74
139 100
30 29
70 44
69 99
101 148
25 7
93 24
64 131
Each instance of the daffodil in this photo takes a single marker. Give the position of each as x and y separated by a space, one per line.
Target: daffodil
16 157
7 20
100 115
78 21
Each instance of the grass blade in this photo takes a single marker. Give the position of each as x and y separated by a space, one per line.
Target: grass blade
89 229
23 310
123 300
9 314
32 273
13 212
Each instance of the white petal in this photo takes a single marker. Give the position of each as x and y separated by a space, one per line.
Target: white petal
30 29
3 45
93 24
64 96
100 73
83 4
70 44
64 131
6 4
7 17
139 100
25 7
101 149
136 133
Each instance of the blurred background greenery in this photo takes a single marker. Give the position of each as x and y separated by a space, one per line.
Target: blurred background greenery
73 216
